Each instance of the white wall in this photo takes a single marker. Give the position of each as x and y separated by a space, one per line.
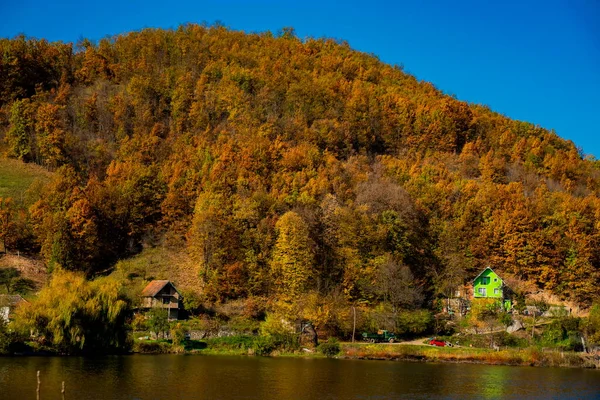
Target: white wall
4 313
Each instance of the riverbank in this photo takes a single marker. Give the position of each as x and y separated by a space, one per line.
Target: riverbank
243 345
246 346
534 357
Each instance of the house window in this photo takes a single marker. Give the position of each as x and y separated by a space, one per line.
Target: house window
485 280
482 291
495 279
496 291
166 300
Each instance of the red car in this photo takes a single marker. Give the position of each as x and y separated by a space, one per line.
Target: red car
439 343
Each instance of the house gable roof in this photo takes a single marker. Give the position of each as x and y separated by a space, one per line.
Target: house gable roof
474 279
156 286
7 300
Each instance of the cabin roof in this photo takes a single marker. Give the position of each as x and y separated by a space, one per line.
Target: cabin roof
156 286
11 300
474 279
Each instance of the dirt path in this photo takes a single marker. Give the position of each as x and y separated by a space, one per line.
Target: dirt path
415 341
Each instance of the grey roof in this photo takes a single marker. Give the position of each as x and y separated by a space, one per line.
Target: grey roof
11 300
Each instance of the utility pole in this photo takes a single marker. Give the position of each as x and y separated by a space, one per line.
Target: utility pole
354 325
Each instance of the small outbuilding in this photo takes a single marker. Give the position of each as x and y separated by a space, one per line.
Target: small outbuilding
8 303
163 294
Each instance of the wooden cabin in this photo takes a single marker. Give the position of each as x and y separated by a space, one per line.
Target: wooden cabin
163 294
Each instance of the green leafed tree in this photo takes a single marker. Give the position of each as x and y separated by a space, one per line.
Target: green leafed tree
158 321
592 325
19 132
7 277
13 282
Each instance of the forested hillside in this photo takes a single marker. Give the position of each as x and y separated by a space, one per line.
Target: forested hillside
287 169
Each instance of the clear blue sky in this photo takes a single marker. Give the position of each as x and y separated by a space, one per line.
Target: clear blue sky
536 61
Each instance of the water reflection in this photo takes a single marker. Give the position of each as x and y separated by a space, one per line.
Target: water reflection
212 377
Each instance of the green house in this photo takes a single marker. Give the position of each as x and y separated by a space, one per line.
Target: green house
487 285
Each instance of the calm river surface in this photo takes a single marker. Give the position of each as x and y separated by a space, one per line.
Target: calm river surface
227 377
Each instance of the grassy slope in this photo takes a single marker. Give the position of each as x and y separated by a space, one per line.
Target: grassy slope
158 263
153 263
16 177
30 268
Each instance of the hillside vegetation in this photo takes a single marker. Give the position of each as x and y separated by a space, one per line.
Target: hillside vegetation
298 171
16 178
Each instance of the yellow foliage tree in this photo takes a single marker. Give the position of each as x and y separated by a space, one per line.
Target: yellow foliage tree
293 256
74 315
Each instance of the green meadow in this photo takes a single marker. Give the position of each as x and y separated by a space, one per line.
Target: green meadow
16 177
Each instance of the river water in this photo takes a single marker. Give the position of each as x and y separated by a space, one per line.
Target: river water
227 377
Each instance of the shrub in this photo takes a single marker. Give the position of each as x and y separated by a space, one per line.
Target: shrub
280 333
263 345
5 339
152 347
178 333
562 333
331 348
288 342
158 321
203 324
508 340
242 342
275 325
592 324
192 302
505 319
412 323
191 345
139 323
241 325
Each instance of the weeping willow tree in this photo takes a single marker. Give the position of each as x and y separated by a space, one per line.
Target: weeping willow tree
74 315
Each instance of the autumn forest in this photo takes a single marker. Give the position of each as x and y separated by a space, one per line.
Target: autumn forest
286 169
